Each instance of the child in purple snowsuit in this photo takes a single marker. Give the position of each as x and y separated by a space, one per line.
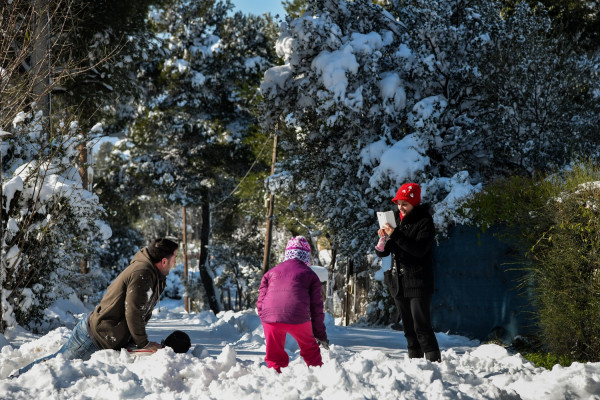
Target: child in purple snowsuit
290 301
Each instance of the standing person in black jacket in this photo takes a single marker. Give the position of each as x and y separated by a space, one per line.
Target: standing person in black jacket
411 279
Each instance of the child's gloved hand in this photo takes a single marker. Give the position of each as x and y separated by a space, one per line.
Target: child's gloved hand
323 343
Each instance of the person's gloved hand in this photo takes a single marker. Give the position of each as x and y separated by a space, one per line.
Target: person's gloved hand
323 343
381 243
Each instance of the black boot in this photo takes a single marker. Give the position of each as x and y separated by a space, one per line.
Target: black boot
433 356
415 353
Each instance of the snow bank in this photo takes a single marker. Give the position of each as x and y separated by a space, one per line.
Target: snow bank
4 342
227 362
321 272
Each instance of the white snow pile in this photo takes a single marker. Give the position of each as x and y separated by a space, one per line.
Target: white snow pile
226 362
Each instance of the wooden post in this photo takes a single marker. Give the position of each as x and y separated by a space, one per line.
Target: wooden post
185 263
267 254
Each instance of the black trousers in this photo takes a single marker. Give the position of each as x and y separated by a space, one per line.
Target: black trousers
416 321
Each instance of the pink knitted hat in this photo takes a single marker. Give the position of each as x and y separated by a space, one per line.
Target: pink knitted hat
298 247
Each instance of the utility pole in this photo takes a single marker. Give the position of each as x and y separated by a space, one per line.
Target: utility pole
185 264
267 255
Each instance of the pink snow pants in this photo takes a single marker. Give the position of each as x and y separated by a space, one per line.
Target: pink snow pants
275 337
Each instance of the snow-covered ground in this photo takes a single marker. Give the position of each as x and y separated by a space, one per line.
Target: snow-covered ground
226 362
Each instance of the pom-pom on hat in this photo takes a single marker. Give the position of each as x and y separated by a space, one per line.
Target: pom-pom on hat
298 248
162 248
409 192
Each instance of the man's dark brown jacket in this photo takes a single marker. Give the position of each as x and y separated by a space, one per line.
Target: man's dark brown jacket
127 305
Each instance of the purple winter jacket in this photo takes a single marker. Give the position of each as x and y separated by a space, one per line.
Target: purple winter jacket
290 293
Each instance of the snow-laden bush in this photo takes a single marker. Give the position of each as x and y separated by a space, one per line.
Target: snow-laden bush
50 223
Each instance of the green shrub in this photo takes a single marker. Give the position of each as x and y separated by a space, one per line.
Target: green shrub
547 360
556 220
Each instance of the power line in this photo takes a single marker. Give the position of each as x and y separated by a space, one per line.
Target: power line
247 172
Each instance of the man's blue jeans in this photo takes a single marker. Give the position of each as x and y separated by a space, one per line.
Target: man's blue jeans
80 345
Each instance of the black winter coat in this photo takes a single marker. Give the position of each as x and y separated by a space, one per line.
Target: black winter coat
411 244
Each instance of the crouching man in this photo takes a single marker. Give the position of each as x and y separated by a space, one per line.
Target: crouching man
126 307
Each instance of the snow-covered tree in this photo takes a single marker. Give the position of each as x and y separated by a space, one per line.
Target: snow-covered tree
195 113
449 94
578 19
187 144
433 91
112 38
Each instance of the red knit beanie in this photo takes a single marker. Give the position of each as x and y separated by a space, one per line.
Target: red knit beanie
409 192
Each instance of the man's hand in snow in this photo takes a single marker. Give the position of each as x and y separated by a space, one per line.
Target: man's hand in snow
153 346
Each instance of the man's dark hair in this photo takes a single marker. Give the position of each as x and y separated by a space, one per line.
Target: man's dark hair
179 341
162 248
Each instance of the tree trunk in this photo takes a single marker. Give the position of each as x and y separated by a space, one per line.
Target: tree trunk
186 304
331 273
238 297
84 265
349 272
1 243
205 275
40 61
